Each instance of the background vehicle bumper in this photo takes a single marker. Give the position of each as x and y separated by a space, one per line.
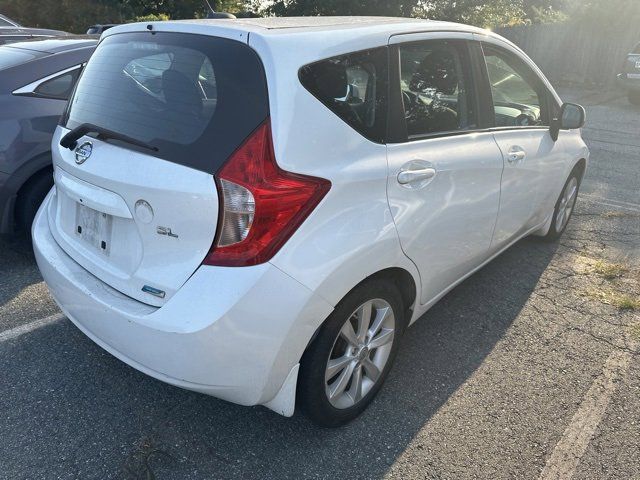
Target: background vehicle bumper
631 84
234 333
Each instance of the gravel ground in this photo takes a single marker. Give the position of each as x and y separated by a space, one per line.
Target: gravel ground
491 383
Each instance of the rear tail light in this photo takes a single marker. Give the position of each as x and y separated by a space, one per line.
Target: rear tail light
261 204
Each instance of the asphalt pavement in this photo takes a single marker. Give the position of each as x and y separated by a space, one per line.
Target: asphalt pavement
528 369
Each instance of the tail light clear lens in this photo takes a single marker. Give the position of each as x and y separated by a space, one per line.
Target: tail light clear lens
239 206
261 204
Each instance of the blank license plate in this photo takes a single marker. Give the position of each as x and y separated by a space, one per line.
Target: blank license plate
94 227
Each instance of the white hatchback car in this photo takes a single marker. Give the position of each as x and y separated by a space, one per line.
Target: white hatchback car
257 209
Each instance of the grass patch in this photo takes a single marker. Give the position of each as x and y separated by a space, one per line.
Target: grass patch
619 300
609 270
614 214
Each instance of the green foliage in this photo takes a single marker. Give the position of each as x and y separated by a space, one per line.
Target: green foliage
482 13
70 15
152 17
76 15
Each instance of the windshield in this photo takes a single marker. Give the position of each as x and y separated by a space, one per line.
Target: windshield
194 98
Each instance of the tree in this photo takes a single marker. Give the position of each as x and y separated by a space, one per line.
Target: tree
485 13
482 13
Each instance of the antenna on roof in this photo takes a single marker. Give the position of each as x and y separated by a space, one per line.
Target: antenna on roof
210 7
213 14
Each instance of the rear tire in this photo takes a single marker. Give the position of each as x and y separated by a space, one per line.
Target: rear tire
634 98
30 197
340 377
564 207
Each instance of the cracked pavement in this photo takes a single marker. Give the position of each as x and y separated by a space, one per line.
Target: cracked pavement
485 385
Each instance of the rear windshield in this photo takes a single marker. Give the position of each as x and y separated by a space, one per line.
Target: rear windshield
637 49
193 97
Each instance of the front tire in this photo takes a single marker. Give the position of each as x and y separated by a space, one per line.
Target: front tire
564 207
346 364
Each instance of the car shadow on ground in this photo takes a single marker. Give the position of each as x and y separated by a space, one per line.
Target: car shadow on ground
92 415
17 267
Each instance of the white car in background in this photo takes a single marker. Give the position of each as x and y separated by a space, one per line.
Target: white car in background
256 209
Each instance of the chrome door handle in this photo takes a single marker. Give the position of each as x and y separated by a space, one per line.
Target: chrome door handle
516 154
409 176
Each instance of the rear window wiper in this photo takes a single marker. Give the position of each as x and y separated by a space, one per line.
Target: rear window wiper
70 140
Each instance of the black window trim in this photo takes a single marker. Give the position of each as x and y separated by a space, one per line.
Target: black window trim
397 131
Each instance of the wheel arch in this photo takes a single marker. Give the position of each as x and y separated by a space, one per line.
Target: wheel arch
400 277
17 185
580 167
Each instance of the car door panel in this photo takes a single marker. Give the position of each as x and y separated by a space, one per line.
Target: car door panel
527 182
522 107
444 176
445 226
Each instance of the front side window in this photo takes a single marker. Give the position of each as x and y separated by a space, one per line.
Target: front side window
435 88
59 87
518 93
354 87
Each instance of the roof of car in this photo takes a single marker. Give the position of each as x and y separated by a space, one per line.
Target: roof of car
273 23
57 44
351 26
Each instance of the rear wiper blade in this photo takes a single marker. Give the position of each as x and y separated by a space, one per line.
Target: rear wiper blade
70 140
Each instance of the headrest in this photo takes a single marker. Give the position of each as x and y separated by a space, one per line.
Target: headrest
331 79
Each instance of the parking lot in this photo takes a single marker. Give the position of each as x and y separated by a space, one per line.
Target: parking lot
528 369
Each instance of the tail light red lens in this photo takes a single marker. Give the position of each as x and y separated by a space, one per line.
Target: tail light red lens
261 204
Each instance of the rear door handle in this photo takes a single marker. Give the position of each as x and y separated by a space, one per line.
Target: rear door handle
516 154
416 174
409 176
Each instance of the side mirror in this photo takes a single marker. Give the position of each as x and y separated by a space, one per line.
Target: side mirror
571 116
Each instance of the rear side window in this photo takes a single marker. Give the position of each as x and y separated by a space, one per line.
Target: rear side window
354 87
195 98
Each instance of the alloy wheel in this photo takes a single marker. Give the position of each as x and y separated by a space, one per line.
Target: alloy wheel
567 203
360 353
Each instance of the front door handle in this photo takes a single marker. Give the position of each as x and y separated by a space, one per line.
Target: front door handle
516 154
416 174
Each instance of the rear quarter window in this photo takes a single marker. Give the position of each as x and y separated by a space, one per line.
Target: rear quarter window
195 98
354 87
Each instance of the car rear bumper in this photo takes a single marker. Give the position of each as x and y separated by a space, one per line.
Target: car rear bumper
234 333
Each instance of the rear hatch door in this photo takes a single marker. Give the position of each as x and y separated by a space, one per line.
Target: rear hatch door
136 202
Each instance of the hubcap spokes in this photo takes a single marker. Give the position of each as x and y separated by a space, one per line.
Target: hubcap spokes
360 353
567 203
